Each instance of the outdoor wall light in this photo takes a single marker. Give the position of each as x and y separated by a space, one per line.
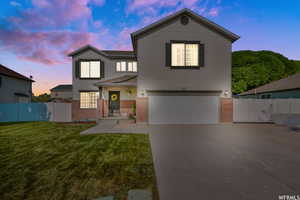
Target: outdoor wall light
226 93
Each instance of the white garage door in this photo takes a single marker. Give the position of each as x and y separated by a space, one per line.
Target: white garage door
183 109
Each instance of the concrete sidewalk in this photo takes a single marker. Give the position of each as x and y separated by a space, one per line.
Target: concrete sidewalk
115 128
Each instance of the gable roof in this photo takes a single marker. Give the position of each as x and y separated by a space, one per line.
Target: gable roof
291 82
8 72
202 20
115 54
84 48
112 54
62 88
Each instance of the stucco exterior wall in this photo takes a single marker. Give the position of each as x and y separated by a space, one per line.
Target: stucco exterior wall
154 75
10 86
109 72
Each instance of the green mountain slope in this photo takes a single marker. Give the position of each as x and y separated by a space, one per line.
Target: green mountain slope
251 69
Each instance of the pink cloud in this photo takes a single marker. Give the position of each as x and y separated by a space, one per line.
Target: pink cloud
123 41
31 37
55 13
44 47
135 5
213 12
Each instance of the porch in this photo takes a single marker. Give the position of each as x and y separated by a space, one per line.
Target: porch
117 97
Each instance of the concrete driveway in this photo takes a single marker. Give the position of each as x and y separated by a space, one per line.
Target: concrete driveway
232 161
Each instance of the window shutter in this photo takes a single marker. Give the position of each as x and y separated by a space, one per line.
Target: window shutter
101 69
201 55
77 69
168 54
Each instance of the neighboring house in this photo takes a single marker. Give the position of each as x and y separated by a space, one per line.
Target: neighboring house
14 87
284 88
61 93
179 72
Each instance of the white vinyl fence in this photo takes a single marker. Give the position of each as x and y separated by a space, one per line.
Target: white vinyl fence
59 112
261 110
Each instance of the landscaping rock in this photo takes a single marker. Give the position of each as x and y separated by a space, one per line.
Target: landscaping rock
139 195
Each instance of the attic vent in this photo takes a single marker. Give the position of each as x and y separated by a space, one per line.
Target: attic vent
184 20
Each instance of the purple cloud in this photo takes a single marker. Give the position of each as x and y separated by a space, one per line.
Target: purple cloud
137 4
213 12
29 36
53 14
44 47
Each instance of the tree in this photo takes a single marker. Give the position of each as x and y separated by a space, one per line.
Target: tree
42 98
251 69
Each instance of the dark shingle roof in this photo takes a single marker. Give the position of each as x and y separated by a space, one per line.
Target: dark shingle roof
291 82
112 54
62 88
8 72
115 53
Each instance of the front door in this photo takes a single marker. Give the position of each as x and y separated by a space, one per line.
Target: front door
114 102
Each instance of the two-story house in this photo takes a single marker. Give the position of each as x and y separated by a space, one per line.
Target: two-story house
14 87
179 72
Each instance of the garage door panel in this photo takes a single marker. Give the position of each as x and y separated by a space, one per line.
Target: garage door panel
183 109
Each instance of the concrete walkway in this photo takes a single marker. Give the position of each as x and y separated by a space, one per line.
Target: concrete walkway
112 127
233 161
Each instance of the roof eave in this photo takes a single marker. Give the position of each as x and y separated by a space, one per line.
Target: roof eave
24 79
224 32
84 48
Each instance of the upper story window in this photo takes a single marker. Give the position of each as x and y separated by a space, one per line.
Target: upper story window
90 69
184 54
123 66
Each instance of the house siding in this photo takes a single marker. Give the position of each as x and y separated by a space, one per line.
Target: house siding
86 84
10 86
154 75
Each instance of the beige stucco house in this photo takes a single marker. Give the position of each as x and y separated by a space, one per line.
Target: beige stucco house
179 72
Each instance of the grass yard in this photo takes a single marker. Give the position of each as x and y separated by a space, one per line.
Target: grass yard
42 160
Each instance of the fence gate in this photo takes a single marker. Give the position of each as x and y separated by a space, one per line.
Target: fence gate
60 112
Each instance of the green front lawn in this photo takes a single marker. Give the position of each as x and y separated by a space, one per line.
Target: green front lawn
42 160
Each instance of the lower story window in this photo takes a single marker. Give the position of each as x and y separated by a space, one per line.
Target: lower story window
88 99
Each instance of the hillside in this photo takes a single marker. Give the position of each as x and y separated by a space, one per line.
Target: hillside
251 69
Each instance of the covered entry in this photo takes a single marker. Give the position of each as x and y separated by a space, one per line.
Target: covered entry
177 107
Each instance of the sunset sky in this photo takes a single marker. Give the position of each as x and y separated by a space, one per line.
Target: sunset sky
36 35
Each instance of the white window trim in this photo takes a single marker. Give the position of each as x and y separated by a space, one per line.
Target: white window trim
119 66
89 104
90 77
184 57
